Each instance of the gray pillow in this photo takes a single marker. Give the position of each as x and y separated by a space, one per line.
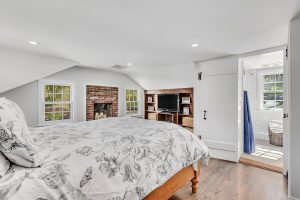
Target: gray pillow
15 140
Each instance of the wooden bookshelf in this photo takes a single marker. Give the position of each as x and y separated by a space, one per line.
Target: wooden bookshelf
151 99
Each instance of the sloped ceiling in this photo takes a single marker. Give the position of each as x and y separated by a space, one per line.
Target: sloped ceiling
150 34
18 67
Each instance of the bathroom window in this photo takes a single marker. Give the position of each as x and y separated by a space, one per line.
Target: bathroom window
272 91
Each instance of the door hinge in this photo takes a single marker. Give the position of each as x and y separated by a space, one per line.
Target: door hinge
199 76
286 53
199 136
285 115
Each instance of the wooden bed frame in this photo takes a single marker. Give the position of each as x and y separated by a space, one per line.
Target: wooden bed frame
180 179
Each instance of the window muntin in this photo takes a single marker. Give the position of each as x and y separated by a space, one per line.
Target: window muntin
132 102
272 94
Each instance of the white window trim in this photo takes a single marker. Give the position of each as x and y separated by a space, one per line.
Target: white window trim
138 101
260 86
41 103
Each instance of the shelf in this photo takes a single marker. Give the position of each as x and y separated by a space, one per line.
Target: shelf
150 102
151 111
190 115
162 113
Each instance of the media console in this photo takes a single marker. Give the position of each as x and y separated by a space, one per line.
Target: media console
184 115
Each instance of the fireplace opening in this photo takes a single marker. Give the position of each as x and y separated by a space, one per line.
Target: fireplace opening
102 110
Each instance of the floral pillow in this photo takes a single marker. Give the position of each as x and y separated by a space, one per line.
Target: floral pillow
15 141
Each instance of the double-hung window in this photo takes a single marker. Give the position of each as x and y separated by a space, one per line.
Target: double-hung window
56 102
272 90
132 103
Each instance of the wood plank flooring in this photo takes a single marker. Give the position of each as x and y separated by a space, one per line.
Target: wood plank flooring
223 180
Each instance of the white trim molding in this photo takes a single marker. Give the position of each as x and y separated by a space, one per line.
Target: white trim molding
223 150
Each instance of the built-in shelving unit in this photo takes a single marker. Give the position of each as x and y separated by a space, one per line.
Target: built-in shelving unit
151 106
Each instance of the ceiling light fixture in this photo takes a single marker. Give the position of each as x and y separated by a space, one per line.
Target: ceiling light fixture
33 42
129 64
195 45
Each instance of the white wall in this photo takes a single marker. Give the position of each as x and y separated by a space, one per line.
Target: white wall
260 118
26 96
19 67
165 77
294 60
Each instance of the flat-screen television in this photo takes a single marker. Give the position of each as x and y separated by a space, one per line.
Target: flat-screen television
168 102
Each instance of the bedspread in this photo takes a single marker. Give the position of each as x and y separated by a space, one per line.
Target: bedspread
121 158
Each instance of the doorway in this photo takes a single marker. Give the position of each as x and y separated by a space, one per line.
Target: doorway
263 78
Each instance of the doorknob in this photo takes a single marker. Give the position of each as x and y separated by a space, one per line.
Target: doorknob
204 116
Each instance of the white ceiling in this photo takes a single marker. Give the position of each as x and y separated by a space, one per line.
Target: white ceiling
149 34
273 59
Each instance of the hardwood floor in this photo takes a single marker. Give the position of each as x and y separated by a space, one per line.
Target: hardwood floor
223 180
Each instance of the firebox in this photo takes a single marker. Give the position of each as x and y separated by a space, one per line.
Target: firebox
102 110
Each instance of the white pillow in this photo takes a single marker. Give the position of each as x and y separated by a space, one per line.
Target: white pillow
4 164
15 140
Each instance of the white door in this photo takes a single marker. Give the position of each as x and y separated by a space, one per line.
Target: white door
218 102
286 127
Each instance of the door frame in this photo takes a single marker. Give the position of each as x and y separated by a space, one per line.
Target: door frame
286 128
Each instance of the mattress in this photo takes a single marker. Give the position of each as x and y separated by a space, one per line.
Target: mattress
121 158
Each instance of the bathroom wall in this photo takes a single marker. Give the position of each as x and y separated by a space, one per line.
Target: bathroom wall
260 117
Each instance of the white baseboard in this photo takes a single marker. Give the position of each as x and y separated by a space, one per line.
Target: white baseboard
293 198
222 150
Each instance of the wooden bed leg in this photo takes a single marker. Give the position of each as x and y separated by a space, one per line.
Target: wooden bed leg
195 182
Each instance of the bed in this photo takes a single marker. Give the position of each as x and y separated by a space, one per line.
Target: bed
122 158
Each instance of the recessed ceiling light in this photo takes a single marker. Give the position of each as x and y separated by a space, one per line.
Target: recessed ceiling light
195 45
129 64
33 42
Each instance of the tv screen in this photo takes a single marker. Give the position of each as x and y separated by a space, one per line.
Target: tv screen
168 102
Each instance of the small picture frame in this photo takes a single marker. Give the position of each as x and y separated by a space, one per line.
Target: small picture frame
150 99
150 108
186 111
186 100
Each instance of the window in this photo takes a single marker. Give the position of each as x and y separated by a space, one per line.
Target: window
56 102
272 91
131 102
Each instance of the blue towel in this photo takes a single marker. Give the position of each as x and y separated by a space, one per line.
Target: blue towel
248 129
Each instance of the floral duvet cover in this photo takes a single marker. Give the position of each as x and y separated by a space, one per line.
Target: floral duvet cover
120 158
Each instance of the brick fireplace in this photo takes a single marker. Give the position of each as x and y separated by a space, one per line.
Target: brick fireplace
101 102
